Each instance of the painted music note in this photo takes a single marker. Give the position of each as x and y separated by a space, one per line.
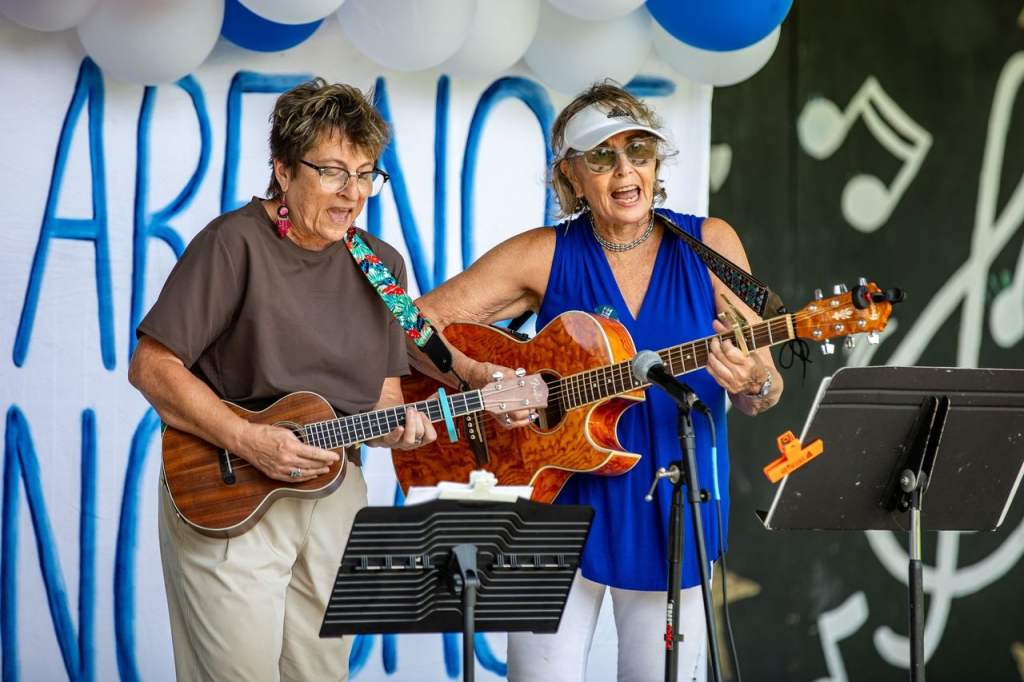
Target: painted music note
1006 319
836 625
867 202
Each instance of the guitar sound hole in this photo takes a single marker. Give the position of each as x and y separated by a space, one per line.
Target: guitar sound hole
551 417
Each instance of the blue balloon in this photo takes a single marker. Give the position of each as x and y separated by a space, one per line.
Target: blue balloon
251 31
719 25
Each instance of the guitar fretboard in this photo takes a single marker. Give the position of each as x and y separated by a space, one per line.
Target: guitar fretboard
604 382
344 431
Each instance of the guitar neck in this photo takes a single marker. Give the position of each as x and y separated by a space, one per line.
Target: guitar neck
605 382
691 356
344 431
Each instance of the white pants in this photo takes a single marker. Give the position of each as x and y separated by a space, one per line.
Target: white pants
249 608
640 624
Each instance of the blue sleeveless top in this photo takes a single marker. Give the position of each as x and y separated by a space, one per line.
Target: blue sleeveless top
628 543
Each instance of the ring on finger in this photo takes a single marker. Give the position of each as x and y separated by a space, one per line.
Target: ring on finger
508 420
295 473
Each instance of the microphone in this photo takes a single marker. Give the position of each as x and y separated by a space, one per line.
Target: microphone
648 367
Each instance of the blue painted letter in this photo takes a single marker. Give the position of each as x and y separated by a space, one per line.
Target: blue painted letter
89 86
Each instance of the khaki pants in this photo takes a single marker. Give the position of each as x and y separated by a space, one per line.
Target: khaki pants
250 607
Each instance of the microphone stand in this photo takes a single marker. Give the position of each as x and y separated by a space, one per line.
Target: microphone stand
679 473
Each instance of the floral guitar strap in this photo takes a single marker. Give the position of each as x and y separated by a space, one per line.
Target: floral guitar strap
398 302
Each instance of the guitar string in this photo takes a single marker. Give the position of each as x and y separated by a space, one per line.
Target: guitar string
359 422
759 333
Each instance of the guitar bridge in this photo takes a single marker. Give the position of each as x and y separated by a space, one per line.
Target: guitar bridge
477 439
227 472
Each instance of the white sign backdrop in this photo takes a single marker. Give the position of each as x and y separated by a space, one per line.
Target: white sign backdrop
99 200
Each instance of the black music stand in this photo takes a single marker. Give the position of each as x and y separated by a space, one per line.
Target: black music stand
897 437
458 566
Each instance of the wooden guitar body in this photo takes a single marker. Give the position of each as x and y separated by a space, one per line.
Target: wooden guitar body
222 495
562 442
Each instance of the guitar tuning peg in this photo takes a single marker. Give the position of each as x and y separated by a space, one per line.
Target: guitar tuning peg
818 295
827 348
873 338
520 372
850 342
497 376
839 289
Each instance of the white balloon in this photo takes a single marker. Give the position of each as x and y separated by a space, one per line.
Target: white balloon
47 15
710 67
597 10
408 35
568 54
292 11
151 42
498 38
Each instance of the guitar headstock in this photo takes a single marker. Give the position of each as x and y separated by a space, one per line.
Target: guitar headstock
520 392
864 309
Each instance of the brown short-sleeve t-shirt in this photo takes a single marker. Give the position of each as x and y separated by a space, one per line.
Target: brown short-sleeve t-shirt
257 317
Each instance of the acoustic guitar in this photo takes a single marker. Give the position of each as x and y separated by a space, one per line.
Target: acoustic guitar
585 361
220 494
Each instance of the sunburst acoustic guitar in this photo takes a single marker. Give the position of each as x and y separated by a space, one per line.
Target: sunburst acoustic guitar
585 361
221 495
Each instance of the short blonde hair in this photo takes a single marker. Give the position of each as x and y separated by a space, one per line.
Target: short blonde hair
306 112
607 92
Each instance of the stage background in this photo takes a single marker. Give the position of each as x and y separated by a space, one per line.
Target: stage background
945 80
106 181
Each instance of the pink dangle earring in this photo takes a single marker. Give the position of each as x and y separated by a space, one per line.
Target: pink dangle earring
283 224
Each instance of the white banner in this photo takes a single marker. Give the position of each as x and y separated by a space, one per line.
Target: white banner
104 184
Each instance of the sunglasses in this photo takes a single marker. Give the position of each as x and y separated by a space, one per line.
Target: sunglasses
602 159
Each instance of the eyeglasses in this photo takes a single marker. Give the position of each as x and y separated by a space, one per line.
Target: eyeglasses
602 159
334 179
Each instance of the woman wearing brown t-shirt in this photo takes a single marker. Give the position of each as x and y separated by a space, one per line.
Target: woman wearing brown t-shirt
266 301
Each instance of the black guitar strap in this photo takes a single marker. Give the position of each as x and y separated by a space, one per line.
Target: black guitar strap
751 290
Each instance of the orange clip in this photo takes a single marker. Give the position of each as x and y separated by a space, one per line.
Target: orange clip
793 457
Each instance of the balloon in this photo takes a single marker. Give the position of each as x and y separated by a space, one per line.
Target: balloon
291 11
47 15
151 42
714 68
498 38
568 54
720 25
408 35
253 32
597 10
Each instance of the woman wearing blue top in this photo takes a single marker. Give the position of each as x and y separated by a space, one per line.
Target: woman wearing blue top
615 251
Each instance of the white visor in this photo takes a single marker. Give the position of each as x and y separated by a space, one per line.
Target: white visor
591 126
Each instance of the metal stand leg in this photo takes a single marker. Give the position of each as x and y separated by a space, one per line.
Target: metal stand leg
463 578
915 585
684 472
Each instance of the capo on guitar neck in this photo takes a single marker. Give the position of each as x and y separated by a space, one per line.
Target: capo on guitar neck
736 320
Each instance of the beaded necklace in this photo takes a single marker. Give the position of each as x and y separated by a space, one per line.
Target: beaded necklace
611 246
